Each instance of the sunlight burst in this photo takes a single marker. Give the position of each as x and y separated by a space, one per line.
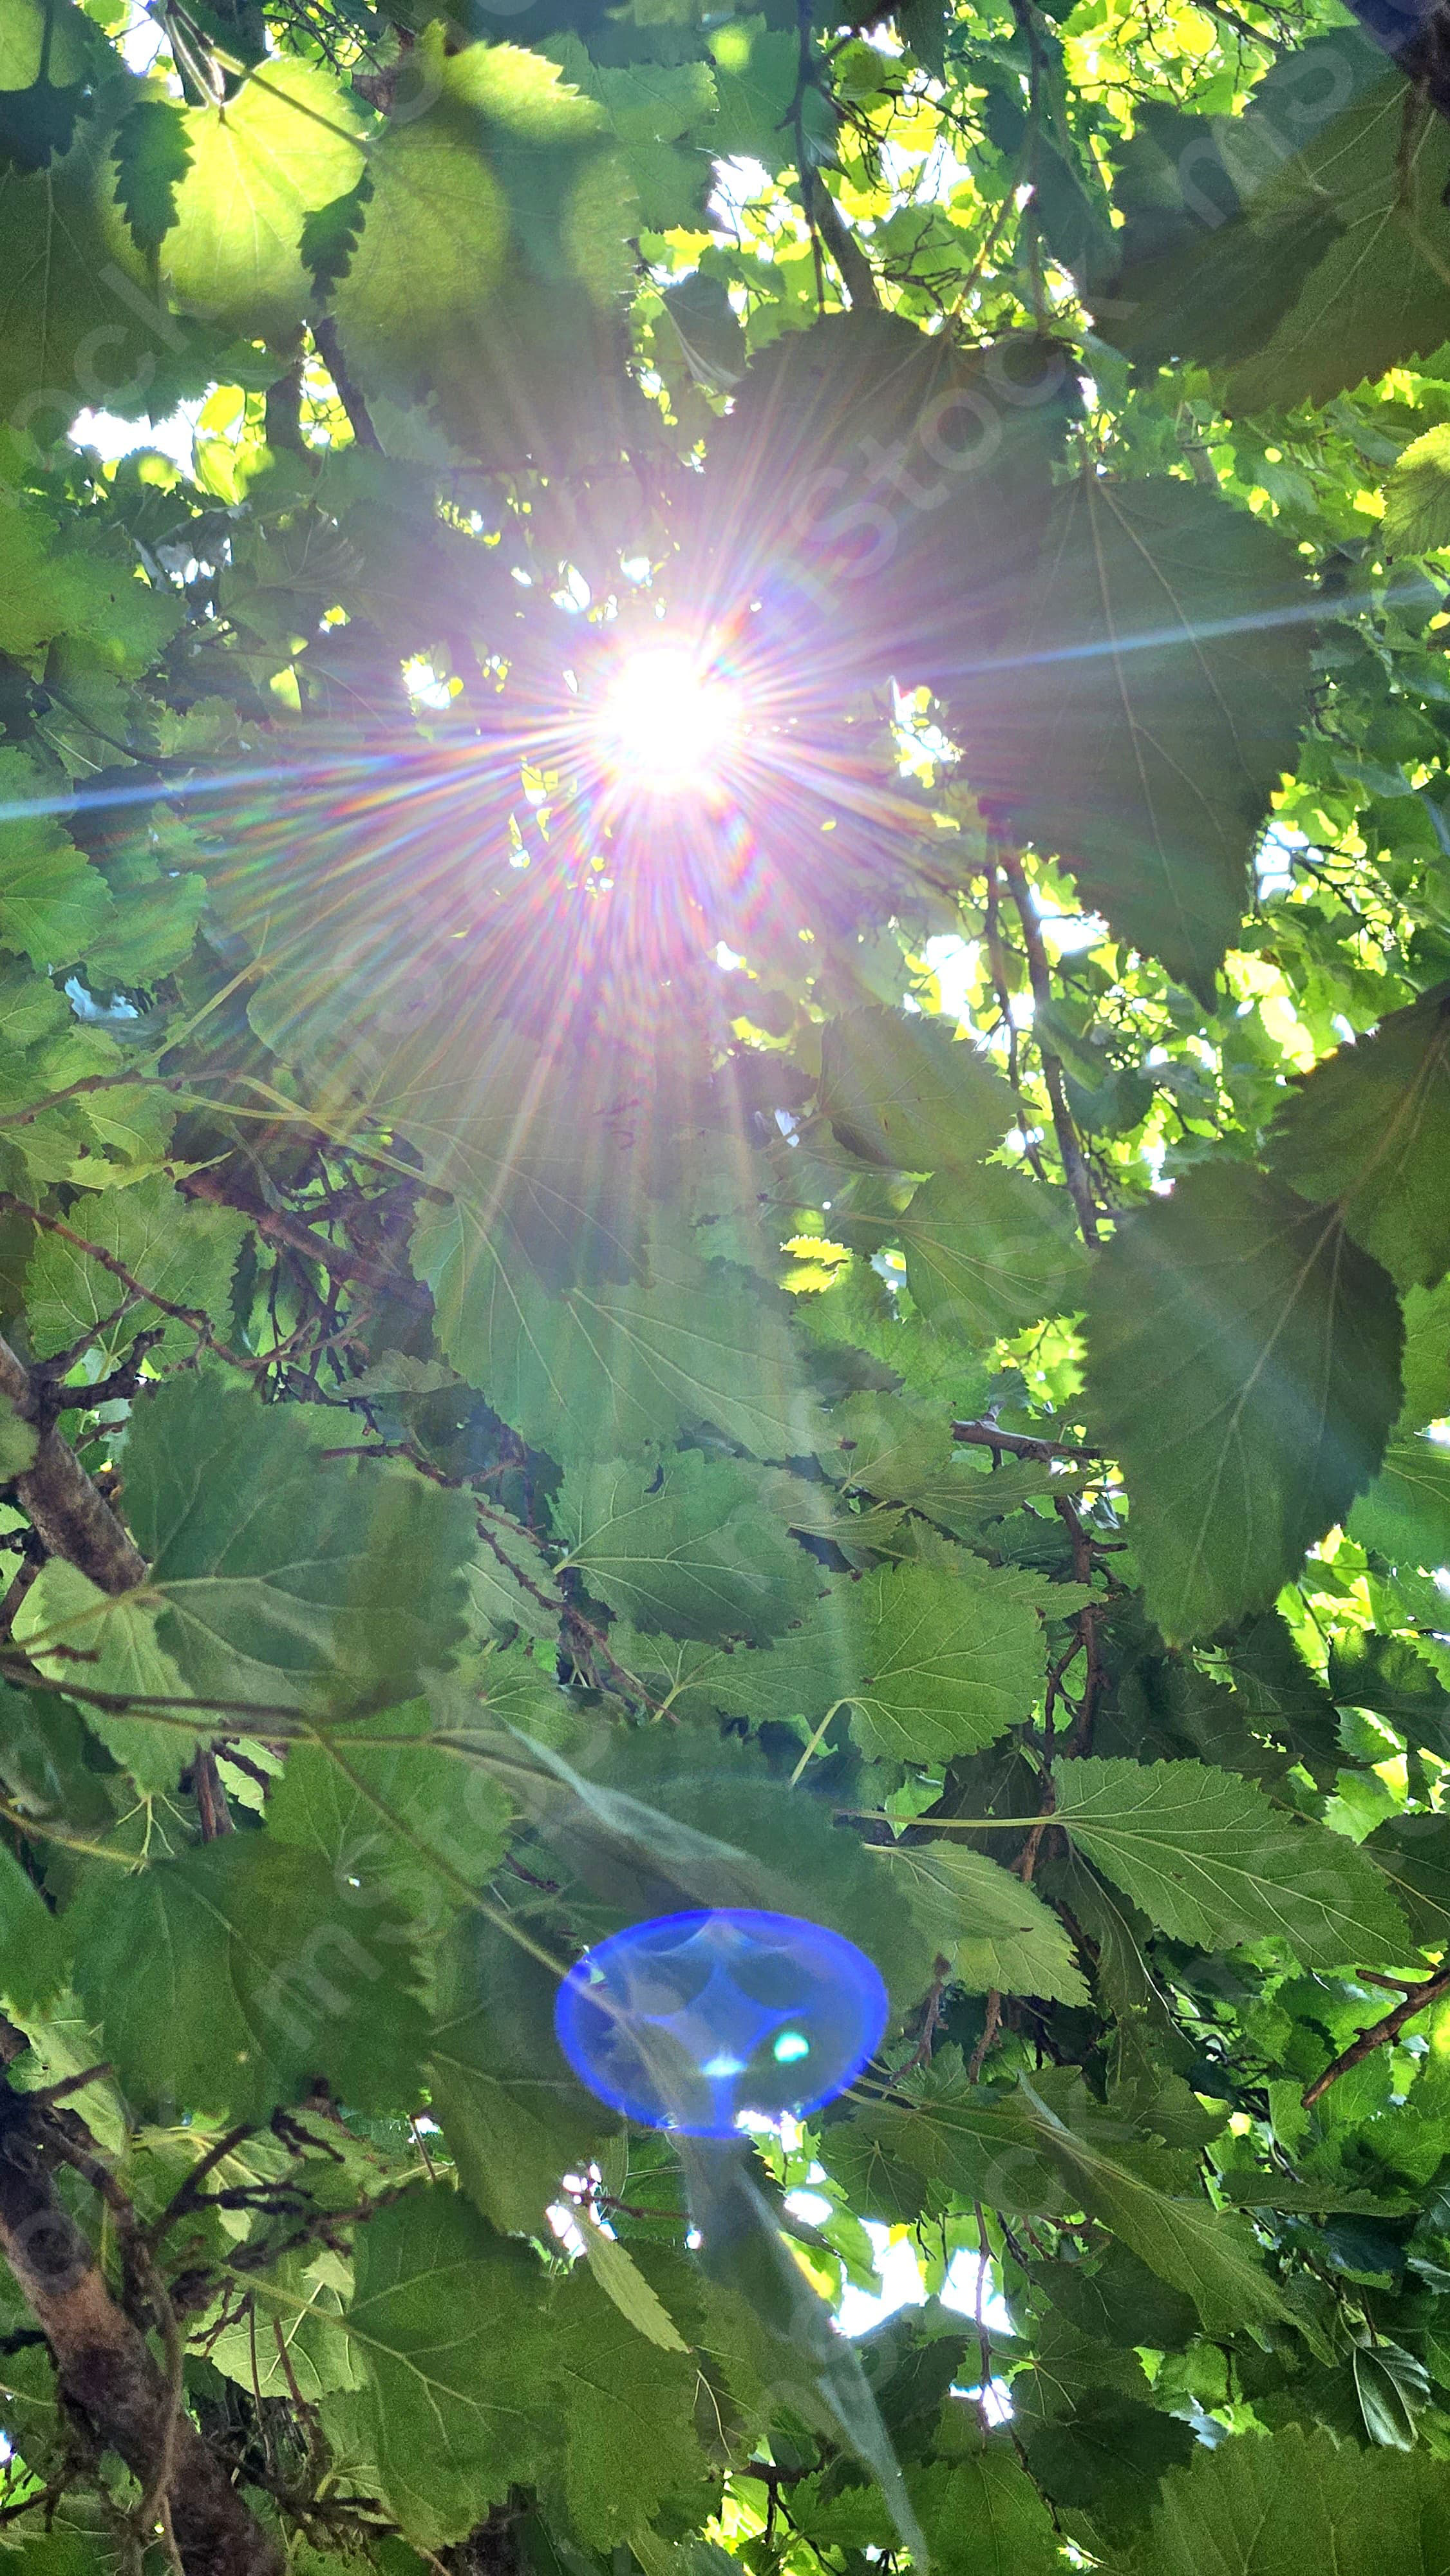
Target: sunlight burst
668 721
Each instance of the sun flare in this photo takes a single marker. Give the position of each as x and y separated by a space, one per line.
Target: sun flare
668 721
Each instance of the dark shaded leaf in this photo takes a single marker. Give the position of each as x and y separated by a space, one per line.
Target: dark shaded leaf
1147 699
1244 1362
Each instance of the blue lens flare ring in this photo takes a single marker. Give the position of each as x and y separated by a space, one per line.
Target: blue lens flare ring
706 2022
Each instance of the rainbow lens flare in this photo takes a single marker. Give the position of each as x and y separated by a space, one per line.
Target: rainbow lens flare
706 2022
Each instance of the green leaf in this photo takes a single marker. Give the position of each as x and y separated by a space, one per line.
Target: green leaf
479 2382
152 150
1192 273
331 233
1427 1356
71 272
287 1581
934 1659
185 1252
229 1979
604 1370
44 39
106 1642
412 1818
1191 2246
491 252
984 2514
1243 1362
1387 1675
1295 2504
1210 1861
1405 1515
906 1091
52 901
756 68
654 112
115 622
994 1931
304 2323
1145 707
625 2407
447 2320
32 1944
686 1544
286 143
514 2116
622 2281
1279 1695
847 2518
989 1251
1379 295
1417 496
1046 2148
159 898
47 49
1118 2301
34 605
893 484
1092 2444
892 1446
510 1583
1370 1128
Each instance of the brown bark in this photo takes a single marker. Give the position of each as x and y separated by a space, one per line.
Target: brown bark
106 2369
67 1513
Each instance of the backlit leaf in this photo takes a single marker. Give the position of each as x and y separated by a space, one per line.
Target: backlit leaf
1417 496
187 1253
288 142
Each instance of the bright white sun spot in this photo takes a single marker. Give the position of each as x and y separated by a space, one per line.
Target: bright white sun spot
667 721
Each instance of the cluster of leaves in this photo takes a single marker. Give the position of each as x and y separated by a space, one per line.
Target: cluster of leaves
869 1339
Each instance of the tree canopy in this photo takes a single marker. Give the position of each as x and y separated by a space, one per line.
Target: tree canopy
724 1179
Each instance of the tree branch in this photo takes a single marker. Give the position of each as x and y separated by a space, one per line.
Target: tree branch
1379 2034
276 1226
856 270
69 1516
329 350
1074 1161
106 2369
1017 1444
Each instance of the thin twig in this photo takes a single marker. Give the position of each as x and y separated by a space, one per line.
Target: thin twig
1017 1444
990 2027
1379 2035
1074 1161
275 1225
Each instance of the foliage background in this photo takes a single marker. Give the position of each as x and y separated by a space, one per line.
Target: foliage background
874 1338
